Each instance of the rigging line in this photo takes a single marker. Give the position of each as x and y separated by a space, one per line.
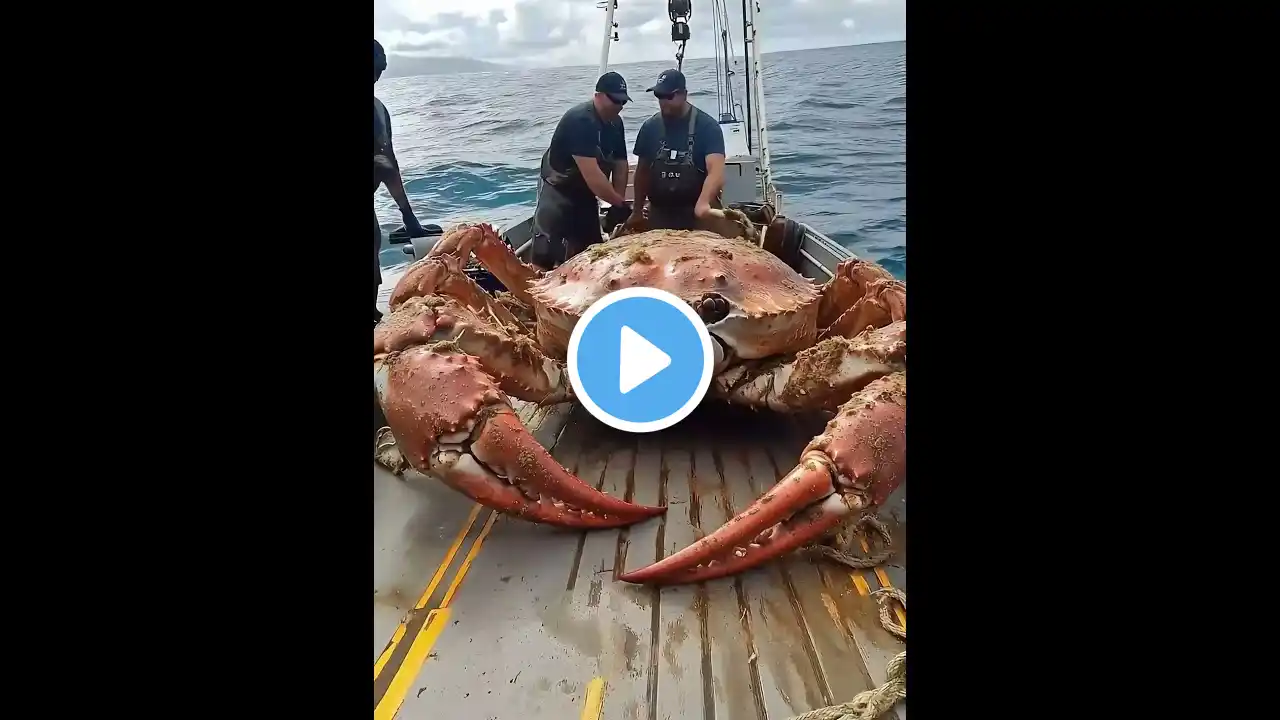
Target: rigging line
715 27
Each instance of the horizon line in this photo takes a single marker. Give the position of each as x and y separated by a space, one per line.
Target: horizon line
509 66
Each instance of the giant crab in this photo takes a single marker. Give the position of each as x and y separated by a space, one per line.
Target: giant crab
449 355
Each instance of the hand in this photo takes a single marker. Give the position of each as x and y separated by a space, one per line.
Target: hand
702 209
615 215
412 225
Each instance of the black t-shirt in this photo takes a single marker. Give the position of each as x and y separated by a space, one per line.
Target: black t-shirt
708 137
381 127
384 157
582 132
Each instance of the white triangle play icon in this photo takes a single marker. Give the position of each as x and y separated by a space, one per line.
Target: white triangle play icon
639 361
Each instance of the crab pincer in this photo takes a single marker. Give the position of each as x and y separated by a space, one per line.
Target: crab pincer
855 464
451 420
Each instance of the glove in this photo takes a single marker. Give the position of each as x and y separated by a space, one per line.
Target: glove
411 224
615 215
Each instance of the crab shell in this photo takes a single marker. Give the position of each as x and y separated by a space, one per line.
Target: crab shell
772 309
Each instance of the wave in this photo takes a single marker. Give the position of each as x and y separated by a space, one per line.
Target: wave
469 145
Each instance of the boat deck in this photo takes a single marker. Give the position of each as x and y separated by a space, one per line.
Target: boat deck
506 619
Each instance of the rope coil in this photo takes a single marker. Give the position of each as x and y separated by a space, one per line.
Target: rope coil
845 542
869 704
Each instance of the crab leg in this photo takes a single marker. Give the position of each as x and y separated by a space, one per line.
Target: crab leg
444 275
850 284
452 421
460 240
522 369
884 303
498 258
820 378
858 460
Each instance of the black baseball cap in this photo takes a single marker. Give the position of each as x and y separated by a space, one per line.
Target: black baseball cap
668 82
613 85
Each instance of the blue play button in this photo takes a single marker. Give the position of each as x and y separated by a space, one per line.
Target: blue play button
640 359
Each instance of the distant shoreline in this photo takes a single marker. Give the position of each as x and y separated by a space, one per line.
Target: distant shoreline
429 65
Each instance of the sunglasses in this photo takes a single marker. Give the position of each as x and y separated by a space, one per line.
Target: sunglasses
664 96
616 100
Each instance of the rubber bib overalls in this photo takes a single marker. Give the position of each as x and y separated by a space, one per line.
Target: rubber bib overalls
567 217
675 182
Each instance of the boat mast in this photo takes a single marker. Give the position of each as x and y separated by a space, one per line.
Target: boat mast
756 78
720 19
610 35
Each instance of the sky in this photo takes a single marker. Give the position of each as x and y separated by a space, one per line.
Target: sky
548 33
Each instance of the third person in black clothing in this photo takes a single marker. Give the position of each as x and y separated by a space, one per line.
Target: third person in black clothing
588 146
680 166
386 171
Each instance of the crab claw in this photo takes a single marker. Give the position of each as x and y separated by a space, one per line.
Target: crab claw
858 460
452 421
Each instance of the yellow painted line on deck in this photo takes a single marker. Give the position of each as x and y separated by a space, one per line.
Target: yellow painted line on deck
431 588
884 583
593 703
858 582
466 562
420 649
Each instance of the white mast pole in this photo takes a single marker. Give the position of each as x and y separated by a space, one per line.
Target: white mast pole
611 5
757 77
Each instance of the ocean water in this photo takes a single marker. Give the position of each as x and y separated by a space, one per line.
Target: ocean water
469 144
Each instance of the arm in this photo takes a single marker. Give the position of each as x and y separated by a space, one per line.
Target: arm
584 146
619 154
642 189
645 147
394 183
714 183
714 159
596 180
620 173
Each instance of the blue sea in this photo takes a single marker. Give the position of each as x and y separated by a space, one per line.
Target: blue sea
469 144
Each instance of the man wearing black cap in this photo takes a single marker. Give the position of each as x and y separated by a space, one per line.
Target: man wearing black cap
386 170
680 151
588 144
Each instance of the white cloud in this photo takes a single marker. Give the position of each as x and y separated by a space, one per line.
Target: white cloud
540 33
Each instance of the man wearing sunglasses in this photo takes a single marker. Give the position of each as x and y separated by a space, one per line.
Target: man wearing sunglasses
589 144
680 167
386 170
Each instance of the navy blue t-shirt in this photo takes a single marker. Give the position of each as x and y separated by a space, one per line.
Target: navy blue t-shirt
582 132
708 137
